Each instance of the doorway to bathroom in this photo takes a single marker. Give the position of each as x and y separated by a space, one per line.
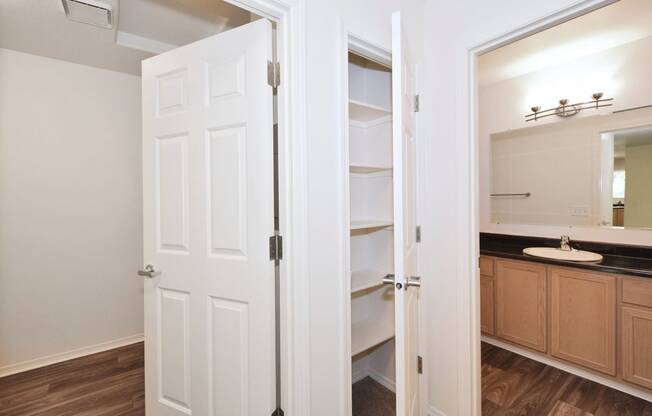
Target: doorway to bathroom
550 99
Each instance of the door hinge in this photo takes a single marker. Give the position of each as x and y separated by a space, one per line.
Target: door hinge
418 233
416 103
276 248
278 412
419 364
273 74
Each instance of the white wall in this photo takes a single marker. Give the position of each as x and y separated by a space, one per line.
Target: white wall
620 72
70 207
559 165
448 237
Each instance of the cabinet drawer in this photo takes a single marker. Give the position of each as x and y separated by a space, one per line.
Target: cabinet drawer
486 266
637 291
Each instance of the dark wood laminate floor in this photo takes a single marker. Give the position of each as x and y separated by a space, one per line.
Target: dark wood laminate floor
110 383
372 399
513 385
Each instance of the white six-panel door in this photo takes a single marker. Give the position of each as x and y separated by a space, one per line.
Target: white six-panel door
405 225
208 213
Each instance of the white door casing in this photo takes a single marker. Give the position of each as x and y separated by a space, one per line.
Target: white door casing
207 215
405 225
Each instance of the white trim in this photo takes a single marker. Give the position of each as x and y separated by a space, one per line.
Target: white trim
69 355
369 50
605 381
129 40
433 411
359 375
376 122
376 376
293 197
386 382
469 388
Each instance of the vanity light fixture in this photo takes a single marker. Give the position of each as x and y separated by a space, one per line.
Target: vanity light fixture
566 110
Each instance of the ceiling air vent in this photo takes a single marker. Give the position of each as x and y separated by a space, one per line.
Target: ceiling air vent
93 12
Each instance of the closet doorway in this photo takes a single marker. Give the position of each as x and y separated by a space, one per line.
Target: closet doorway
382 288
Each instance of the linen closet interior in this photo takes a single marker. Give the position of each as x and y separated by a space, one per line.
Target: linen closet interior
370 180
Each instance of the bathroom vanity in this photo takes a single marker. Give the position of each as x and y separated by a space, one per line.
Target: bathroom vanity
592 316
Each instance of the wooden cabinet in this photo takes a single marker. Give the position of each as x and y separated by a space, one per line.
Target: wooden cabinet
637 345
487 305
618 219
583 318
637 291
596 321
486 266
521 303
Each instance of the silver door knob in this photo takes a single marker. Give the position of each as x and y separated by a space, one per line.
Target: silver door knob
414 281
388 279
149 272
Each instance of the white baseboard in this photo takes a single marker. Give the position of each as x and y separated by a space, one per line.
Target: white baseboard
68 355
383 380
359 375
614 384
379 378
433 411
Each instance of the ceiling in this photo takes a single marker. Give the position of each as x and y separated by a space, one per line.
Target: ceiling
185 21
143 28
608 27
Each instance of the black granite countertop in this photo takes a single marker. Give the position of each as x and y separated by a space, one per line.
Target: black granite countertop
617 258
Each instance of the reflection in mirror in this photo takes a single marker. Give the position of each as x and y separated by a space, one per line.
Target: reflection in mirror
591 171
629 204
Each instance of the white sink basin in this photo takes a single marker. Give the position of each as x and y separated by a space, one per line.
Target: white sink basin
558 254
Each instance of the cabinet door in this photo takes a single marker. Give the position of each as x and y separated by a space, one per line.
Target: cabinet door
521 303
487 305
637 346
583 315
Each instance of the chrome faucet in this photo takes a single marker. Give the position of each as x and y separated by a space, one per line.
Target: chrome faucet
565 243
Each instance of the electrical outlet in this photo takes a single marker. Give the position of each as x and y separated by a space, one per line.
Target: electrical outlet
579 211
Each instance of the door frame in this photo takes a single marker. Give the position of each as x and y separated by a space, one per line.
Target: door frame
349 41
470 396
289 16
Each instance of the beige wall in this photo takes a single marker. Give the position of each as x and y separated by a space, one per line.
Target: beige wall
638 186
558 164
70 207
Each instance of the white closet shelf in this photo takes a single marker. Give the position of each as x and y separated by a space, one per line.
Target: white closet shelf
366 279
364 224
369 169
368 334
365 112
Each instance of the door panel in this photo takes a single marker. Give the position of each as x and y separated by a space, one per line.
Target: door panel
405 223
208 213
174 377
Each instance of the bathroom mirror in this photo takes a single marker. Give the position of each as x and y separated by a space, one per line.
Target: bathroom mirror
590 171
